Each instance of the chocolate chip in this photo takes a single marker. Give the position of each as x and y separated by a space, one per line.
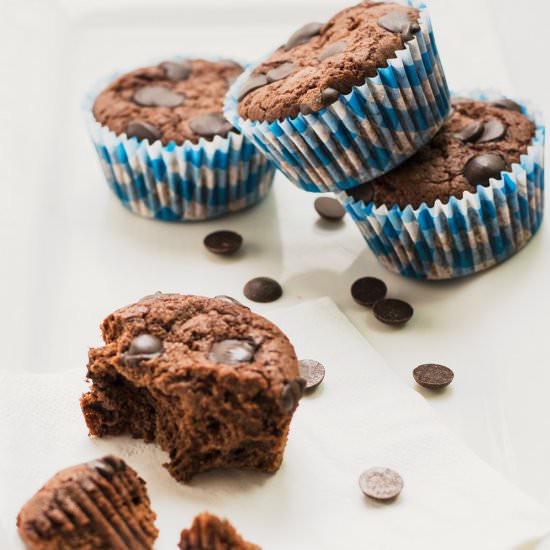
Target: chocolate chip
253 83
329 208
493 130
306 109
470 133
366 291
292 393
177 70
143 347
333 49
232 352
151 296
312 372
433 376
229 64
478 170
392 311
280 72
107 466
400 23
157 96
329 95
229 300
143 131
303 35
263 289
364 192
381 483
210 125
507 104
223 242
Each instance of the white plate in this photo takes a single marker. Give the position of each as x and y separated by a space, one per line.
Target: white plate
71 254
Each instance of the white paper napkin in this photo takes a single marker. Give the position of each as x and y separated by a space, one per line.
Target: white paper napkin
361 416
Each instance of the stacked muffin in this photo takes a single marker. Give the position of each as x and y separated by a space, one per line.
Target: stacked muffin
359 106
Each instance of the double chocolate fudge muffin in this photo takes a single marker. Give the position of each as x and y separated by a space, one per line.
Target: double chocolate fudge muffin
212 383
174 101
208 532
321 61
98 505
479 141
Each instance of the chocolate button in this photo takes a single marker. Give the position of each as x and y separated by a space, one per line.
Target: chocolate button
263 289
312 372
253 83
470 133
366 291
333 49
232 352
229 300
381 483
399 23
364 193
292 393
306 109
392 311
210 125
433 376
280 72
177 70
493 130
478 170
223 242
157 96
143 131
329 95
303 35
142 348
329 208
507 104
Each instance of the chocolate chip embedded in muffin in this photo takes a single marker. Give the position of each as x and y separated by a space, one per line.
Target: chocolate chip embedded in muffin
208 532
478 141
202 377
327 60
98 505
169 101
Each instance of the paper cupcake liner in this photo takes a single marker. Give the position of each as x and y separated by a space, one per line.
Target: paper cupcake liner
188 182
466 235
365 133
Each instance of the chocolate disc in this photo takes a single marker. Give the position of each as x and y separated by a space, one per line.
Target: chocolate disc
329 208
399 23
229 300
433 376
143 131
470 133
143 347
303 35
493 130
333 49
306 109
292 393
329 95
312 372
381 483
263 289
232 352
392 311
366 291
223 242
253 83
478 170
177 70
157 96
280 72
507 104
210 125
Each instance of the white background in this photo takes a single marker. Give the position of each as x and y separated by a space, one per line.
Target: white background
69 254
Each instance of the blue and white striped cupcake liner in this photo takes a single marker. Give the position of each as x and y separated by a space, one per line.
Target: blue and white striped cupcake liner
188 182
365 133
466 235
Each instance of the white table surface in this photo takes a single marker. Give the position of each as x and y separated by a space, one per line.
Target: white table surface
70 254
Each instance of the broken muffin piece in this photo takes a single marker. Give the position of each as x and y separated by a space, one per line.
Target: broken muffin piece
98 505
209 532
214 384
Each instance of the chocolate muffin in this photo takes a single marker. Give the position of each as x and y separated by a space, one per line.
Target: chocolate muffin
212 383
208 532
321 61
99 505
479 141
174 101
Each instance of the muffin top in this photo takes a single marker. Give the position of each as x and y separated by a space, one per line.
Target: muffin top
173 101
319 62
478 141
